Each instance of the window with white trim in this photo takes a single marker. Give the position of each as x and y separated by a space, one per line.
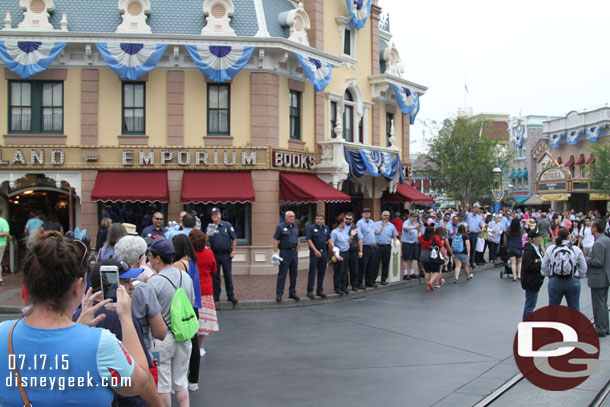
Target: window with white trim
348 116
36 107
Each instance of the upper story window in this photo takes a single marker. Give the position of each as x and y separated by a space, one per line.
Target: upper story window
583 173
36 107
333 119
134 108
347 41
219 109
295 115
389 118
348 116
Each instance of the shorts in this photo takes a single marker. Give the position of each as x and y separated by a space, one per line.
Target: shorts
513 252
410 251
174 359
430 267
463 257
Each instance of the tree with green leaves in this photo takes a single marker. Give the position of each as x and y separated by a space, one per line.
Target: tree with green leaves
599 171
461 159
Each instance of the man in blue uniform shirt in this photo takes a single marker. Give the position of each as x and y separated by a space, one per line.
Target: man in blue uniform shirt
286 247
340 239
474 221
385 236
366 229
157 228
223 244
355 250
318 236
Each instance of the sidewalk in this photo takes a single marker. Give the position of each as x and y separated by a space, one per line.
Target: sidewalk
253 292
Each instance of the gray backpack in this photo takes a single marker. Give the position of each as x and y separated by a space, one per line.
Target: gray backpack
563 261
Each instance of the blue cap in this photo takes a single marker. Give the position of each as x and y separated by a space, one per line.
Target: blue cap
131 273
162 247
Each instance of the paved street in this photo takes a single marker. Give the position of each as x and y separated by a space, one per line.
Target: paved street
407 347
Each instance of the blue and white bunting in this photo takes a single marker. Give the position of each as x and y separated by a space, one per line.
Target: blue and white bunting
219 63
377 162
407 100
27 58
129 60
519 137
593 133
555 139
359 11
572 137
415 110
317 73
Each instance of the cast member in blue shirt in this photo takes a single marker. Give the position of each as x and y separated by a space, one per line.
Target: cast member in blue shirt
475 223
286 247
366 228
318 238
385 236
223 243
410 246
340 239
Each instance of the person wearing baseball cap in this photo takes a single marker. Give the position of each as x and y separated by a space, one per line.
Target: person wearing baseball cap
223 242
366 265
171 352
531 275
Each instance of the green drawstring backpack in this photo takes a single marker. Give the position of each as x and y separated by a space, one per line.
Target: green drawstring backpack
183 320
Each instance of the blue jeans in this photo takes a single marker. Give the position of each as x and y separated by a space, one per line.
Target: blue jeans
531 298
570 287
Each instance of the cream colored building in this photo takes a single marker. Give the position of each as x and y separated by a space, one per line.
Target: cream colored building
84 138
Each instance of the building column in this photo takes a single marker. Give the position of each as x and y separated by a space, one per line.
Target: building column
377 124
315 11
374 205
89 107
406 138
175 108
174 184
88 208
265 216
265 109
374 17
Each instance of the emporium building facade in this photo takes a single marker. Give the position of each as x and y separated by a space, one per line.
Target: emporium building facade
254 106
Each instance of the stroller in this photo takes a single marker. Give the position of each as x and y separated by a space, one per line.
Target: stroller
507 271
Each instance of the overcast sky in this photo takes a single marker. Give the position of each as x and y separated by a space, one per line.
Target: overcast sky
537 57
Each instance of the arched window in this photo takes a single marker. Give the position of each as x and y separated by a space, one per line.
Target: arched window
348 116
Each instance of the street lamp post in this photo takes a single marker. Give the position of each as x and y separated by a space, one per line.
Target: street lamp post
497 190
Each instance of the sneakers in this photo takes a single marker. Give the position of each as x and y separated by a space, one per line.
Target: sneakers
442 282
1 282
469 277
193 387
201 352
430 287
455 281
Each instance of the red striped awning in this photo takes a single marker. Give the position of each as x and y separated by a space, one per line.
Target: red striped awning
590 160
570 161
217 187
131 186
581 160
305 188
406 193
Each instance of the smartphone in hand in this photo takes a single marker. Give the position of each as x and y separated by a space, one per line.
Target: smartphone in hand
109 277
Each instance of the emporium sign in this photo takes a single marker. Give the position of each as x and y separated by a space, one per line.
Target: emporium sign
141 158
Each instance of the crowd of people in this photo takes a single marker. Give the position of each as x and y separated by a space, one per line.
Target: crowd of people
66 286
150 337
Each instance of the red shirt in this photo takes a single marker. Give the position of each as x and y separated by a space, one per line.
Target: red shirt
427 244
207 268
397 222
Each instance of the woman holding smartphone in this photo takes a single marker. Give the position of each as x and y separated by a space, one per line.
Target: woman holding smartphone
54 276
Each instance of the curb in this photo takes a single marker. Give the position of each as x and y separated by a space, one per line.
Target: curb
332 298
305 301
